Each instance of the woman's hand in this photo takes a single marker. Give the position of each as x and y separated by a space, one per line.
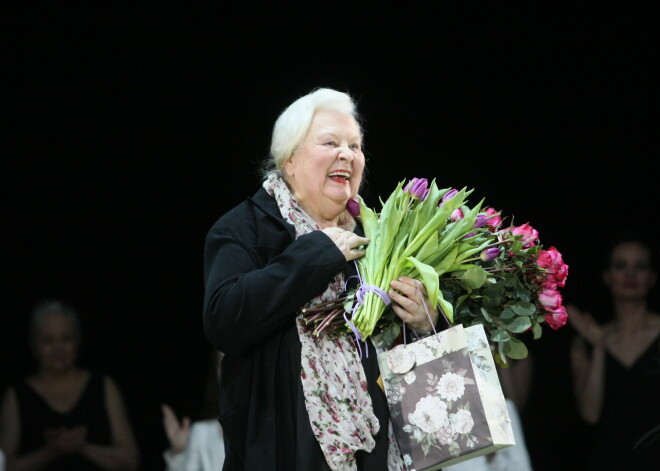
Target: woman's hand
586 326
64 441
351 245
411 303
177 432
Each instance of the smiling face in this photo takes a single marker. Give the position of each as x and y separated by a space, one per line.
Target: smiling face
55 344
630 275
326 169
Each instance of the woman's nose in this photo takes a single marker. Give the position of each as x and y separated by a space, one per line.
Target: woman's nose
345 153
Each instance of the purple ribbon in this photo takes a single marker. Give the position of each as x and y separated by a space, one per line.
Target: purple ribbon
361 292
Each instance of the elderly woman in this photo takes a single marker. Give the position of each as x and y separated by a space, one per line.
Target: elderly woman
288 400
64 417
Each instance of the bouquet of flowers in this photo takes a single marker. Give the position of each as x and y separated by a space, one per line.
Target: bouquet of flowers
473 268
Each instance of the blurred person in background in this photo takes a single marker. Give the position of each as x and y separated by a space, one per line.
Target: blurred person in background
616 365
197 445
64 417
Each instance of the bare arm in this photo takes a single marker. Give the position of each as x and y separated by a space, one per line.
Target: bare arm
588 370
10 431
122 454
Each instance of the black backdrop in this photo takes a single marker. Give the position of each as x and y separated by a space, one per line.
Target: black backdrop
132 130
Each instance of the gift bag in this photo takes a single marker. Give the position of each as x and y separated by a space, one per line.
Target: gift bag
445 399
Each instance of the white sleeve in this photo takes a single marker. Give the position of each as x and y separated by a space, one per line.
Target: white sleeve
516 457
173 462
205 450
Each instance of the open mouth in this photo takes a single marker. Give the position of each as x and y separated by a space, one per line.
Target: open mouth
340 176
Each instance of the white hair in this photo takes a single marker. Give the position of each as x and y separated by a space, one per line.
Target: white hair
292 125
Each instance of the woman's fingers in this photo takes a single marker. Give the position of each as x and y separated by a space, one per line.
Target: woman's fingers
351 245
411 304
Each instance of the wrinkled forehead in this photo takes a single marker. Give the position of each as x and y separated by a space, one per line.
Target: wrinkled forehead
335 122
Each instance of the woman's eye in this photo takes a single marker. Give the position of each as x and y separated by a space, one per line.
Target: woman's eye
355 146
330 143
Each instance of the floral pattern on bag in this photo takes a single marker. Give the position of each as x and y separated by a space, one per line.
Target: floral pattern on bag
438 408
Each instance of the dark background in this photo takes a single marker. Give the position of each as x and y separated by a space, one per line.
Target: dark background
132 129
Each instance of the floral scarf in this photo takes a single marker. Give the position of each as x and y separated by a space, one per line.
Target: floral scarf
333 380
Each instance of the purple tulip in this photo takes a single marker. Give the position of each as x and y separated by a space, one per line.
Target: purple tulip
457 215
353 207
480 220
471 234
418 188
491 253
449 195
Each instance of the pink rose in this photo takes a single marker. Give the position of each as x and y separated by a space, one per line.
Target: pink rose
528 233
494 220
556 318
550 298
553 264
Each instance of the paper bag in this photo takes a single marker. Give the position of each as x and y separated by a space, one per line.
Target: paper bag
445 399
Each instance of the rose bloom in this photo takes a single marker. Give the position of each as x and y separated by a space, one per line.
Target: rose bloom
494 220
550 298
556 318
529 235
556 270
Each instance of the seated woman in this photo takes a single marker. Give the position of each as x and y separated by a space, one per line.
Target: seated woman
64 417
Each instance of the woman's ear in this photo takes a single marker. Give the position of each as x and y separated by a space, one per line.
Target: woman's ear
289 166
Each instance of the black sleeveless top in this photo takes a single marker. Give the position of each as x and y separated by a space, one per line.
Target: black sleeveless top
628 436
36 416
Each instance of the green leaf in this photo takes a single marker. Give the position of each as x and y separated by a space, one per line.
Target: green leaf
524 309
369 219
519 325
507 314
447 262
499 335
429 277
537 330
446 307
473 277
429 248
486 315
515 349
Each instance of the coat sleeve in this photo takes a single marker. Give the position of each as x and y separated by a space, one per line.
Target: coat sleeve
249 295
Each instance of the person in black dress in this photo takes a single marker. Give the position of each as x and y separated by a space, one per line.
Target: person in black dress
64 417
289 401
616 366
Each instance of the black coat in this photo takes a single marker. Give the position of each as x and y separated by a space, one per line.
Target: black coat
257 275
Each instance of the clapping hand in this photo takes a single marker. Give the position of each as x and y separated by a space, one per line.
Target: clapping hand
177 432
585 325
64 441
